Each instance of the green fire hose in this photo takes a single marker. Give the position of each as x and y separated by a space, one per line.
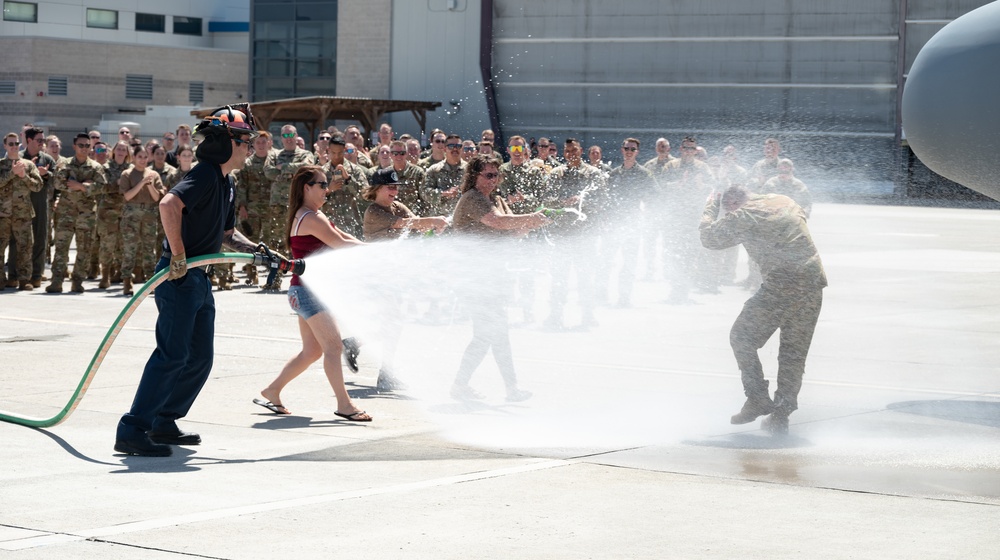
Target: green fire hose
116 327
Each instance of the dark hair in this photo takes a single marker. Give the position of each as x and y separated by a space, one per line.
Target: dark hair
80 135
31 132
475 167
136 148
690 139
571 141
296 196
630 139
735 195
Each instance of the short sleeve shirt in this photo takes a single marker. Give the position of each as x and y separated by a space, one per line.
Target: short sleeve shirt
209 209
470 210
379 221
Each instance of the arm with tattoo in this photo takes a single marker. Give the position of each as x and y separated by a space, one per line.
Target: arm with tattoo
238 242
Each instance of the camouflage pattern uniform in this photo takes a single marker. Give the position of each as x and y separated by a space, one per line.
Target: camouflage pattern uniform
75 216
684 186
109 215
576 240
440 177
253 191
793 188
40 202
16 214
428 161
527 180
364 160
280 171
628 190
412 179
140 217
773 230
344 205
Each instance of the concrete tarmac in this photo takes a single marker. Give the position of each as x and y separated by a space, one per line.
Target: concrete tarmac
625 450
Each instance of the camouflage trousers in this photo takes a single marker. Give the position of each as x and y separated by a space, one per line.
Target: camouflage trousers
19 230
72 221
253 226
138 231
793 312
109 233
273 232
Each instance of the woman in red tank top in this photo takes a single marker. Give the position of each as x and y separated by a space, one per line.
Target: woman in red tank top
307 231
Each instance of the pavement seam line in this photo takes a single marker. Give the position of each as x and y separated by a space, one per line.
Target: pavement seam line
52 538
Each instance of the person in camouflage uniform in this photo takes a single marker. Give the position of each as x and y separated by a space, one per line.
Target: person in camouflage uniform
280 172
18 179
411 177
443 180
773 230
344 204
684 183
629 187
786 183
574 185
523 185
253 190
109 216
437 152
76 181
34 151
141 189
352 135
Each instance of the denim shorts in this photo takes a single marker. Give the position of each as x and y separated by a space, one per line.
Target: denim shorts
303 302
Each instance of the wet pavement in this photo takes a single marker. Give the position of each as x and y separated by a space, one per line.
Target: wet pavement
625 450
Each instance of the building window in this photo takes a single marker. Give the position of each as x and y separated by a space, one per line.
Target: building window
58 85
102 19
154 23
196 92
26 12
7 87
138 86
187 25
293 48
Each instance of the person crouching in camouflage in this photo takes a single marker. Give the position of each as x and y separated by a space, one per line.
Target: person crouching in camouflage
109 216
18 179
77 180
773 230
141 188
254 195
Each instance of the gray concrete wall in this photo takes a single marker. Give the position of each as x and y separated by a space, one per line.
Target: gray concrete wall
821 76
95 73
435 57
363 53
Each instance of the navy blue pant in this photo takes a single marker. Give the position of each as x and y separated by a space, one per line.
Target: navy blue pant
179 367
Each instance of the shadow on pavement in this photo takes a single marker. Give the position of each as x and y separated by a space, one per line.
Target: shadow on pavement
983 413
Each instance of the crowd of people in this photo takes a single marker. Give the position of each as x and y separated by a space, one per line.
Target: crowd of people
105 198
573 213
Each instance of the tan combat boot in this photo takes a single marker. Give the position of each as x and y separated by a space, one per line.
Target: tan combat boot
55 286
251 271
25 286
77 285
126 286
105 282
11 283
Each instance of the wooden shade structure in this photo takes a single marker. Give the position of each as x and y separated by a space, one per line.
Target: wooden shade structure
315 111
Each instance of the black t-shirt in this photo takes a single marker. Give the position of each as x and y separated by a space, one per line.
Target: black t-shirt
209 209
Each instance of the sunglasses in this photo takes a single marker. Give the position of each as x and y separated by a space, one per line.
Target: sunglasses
440 141
169 139
241 141
453 146
491 175
12 144
543 146
322 184
516 149
630 148
350 150
100 150
81 146
398 153
327 138
468 149
124 133
288 135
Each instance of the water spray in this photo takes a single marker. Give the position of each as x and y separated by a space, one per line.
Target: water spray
263 257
